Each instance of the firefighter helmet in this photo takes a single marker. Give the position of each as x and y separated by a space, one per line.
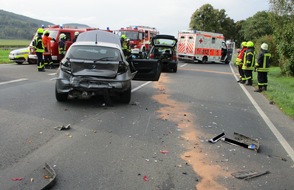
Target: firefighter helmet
123 36
244 44
264 46
46 32
77 33
40 31
62 36
250 44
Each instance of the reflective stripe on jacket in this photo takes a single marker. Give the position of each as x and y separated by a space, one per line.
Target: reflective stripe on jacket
263 61
38 44
249 59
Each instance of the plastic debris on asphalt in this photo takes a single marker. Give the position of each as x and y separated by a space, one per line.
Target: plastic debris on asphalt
164 151
62 127
145 178
239 140
248 174
17 179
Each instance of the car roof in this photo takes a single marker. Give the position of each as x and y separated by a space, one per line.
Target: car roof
99 36
91 43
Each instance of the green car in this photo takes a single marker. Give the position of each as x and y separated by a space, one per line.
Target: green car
20 55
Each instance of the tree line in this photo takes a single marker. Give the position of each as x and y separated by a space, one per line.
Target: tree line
275 27
14 26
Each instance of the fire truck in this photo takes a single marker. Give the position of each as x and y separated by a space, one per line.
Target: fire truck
139 36
202 46
55 31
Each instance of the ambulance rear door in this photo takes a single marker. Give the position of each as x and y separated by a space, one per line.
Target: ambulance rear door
186 44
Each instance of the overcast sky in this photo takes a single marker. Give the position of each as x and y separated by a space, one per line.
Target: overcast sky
168 16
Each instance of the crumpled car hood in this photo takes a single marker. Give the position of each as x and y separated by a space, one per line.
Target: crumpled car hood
105 69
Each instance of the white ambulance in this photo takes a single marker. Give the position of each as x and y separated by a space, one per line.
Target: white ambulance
202 46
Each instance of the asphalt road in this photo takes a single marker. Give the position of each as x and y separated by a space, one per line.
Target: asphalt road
159 141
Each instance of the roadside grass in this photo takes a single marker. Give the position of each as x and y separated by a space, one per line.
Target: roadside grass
5 43
8 45
4 56
280 90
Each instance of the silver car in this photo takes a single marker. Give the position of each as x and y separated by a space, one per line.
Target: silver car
95 65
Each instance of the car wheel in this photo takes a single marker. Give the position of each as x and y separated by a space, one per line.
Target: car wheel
125 96
204 60
60 97
175 69
19 62
227 61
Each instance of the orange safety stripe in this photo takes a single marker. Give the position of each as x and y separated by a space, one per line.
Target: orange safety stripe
208 51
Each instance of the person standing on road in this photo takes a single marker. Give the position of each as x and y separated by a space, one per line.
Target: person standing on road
249 63
76 36
62 45
125 46
48 63
239 62
39 49
262 67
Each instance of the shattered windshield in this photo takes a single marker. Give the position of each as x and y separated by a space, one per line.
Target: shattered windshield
94 53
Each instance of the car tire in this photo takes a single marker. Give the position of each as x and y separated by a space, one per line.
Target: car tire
20 62
204 60
175 69
227 61
60 97
125 96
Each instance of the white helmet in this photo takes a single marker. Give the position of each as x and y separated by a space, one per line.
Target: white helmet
264 46
62 36
77 33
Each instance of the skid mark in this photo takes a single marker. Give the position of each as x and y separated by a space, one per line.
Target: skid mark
177 112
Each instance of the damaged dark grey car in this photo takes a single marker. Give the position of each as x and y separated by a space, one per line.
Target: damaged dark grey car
96 65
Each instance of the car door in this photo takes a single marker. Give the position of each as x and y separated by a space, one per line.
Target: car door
147 69
150 69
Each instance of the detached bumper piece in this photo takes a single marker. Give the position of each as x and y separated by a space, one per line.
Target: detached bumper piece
239 140
246 175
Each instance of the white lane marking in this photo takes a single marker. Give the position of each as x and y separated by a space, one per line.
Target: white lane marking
184 65
146 83
51 74
271 126
141 86
12 81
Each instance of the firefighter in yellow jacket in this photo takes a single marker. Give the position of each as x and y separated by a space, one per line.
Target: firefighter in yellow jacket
39 49
249 63
262 67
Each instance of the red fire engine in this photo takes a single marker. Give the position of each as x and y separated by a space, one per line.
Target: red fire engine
55 31
139 36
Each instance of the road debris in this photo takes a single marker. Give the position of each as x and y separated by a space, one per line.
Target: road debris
246 175
164 151
239 140
16 179
278 157
145 178
62 127
217 138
